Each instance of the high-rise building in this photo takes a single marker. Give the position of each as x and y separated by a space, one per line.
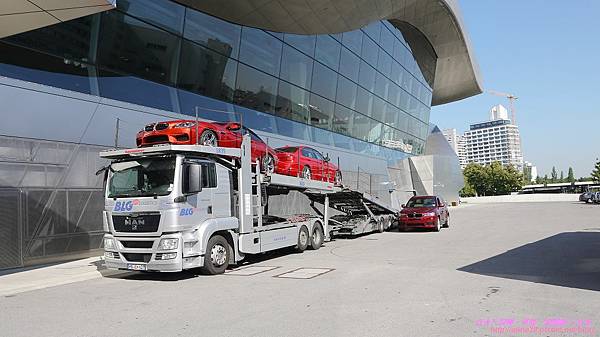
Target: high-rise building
530 171
457 143
354 81
494 140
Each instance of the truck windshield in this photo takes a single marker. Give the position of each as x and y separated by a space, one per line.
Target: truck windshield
142 178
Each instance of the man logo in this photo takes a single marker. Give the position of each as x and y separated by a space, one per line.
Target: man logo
134 223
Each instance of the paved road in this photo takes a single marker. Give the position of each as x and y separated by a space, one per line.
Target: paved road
497 261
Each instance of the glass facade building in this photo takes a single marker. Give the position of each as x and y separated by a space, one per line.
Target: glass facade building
360 90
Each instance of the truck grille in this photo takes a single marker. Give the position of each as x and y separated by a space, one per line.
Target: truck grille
138 223
137 244
135 257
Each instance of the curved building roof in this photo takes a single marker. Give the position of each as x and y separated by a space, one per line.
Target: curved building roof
456 74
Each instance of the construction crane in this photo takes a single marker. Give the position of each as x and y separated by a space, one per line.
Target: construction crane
511 101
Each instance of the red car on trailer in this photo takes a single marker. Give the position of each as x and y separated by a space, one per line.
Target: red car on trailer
426 212
306 162
228 134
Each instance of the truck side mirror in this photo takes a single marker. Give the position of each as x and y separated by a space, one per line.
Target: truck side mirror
192 180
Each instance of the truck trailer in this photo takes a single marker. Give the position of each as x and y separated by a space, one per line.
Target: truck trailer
174 207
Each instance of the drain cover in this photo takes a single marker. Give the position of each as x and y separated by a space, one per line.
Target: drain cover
249 271
305 273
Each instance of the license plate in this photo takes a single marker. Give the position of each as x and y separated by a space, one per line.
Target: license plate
136 266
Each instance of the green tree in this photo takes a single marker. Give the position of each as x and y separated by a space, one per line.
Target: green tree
571 175
562 177
596 172
527 175
467 191
553 175
492 179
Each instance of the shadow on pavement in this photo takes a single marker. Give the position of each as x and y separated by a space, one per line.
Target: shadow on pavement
570 259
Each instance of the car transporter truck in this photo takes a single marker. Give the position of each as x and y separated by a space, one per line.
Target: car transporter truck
174 207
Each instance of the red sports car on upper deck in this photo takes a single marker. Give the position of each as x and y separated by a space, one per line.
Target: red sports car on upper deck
306 162
183 132
427 211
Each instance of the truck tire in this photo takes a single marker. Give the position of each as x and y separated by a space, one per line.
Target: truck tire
303 239
380 226
316 239
216 259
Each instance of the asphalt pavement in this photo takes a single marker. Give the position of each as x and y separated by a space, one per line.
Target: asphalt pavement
497 266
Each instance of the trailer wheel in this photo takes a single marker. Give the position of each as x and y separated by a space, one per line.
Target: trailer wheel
316 239
216 259
380 226
303 239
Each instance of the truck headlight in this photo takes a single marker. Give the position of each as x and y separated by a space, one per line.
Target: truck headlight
109 244
168 244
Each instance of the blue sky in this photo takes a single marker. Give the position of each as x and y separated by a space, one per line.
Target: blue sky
548 54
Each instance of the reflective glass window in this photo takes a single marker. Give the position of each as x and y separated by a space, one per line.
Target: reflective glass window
304 43
342 120
366 76
257 120
361 127
322 136
162 13
292 129
328 51
394 94
387 39
353 40
381 85
404 100
208 108
370 51
349 64
346 92
255 89
28 65
206 72
292 103
296 67
402 121
321 111
384 63
135 90
324 81
378 110
261 50
364 101
342 141
373 30
211 32
391 115
396 73
133 47
70 39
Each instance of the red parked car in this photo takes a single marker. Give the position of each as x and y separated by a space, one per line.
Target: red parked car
428 211
308 163
183 132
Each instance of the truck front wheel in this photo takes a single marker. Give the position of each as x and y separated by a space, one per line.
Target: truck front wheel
216 259
316 239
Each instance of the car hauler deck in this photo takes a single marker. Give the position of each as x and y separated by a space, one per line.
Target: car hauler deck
175 207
